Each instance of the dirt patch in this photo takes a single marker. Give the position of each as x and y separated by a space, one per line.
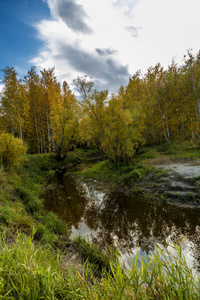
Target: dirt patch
172 160
178 184
71 259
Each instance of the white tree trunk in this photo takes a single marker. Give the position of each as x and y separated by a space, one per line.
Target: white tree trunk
48 131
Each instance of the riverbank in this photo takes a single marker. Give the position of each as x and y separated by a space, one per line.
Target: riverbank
167 173
35 251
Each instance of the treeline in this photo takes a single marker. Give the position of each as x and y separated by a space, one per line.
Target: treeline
160 106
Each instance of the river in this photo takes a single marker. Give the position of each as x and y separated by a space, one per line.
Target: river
112 218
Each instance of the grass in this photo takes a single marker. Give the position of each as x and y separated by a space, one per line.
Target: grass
98 260
181 150
131 174
122 175
30 256
21 203
82 155
25 274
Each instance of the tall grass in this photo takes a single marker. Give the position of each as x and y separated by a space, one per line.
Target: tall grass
30 264
31 272
21 203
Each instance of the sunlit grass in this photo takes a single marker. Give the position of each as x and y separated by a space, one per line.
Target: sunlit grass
28 271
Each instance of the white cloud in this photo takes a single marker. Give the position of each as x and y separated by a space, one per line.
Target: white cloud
1 86
169 28
111 39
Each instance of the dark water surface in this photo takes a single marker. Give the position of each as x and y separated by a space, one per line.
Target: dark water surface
116 219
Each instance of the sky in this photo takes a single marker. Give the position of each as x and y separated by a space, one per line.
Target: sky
108 40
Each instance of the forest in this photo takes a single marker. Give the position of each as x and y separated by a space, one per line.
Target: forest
161 106
48 119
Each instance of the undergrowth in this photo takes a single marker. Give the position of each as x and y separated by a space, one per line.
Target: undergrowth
132 173
21 202
124 175
30 255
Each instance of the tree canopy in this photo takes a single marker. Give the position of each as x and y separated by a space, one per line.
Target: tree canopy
161 106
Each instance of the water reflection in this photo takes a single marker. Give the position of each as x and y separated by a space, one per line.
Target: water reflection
115 219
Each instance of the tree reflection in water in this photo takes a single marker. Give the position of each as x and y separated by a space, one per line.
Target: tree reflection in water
116 219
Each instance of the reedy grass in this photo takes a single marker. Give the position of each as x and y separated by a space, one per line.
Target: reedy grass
98 260
30 271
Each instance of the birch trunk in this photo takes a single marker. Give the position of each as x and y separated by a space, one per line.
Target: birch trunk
48 131
163 125
36 128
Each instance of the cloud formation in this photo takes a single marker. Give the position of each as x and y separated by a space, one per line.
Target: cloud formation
134 31
109 40
105 51
107 72
74 55
71 13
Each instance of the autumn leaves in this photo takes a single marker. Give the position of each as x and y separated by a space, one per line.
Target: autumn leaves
160 106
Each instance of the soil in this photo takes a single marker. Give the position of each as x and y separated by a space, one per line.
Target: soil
181 183
71 258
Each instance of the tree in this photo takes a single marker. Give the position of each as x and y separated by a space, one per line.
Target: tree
50 94
34 91
108 123
14 106
65 119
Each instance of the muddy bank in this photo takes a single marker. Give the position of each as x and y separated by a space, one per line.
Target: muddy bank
180 183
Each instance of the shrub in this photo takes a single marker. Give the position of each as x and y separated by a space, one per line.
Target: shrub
12 151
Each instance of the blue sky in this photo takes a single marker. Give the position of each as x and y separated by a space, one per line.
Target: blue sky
18 38
109 40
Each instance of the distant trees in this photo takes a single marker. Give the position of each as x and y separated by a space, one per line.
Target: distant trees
170 101
161 106
14 108
37 110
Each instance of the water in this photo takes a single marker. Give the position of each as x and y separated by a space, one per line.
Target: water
115 219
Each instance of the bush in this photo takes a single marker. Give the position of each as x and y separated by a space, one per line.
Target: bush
12 151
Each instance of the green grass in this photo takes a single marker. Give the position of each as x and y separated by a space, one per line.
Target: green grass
122 174
98 260
30 259
182 150
30 271
21 203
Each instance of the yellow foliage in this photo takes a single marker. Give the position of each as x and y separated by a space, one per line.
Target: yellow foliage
12 151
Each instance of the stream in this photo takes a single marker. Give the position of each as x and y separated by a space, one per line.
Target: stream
112 218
